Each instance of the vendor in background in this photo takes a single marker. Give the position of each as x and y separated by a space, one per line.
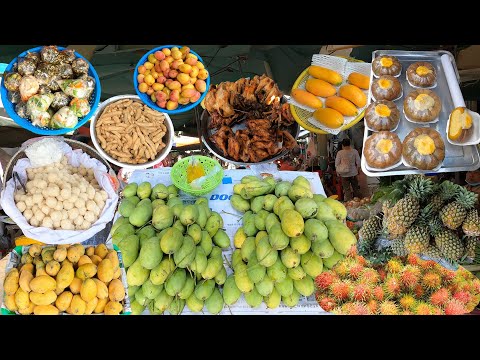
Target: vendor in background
347 166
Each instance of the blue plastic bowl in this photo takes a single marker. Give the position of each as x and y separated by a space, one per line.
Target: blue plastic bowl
146 98
25 123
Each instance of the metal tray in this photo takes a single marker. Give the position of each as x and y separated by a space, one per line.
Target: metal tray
294 129
457 158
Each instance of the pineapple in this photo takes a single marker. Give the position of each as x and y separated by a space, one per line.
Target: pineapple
417 238
394 229
454 214
470 245
370 229
398 247
433 253
471 225
450 246
442 193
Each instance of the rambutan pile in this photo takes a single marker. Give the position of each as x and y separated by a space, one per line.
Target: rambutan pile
403 286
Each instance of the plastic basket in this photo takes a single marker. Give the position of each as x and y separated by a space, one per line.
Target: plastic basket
179 175
26 124
146 98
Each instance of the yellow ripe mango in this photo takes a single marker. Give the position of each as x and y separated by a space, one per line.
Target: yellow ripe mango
329 117
113 257
113 308
84 259
88 290
43 299
102 290
354 94
117 273
322 73
27 267
25 278
91 305
73 254
76 285
60 254
78 305
116 291
105 270
10 304
86 271
96 259
305 98
65 276
45 310
35 250
343 106
90 251
10 285
101 250
360 80
43 283
320 87
64 300
41 271
28 310
52 268
21 298
101 305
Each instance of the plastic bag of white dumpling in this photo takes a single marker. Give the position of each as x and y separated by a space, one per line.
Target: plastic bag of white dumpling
75 158
76 88
64 118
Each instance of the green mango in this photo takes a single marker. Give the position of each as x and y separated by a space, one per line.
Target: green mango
134 199
273 300
143 202
157 202
306 207
249 224
176 306
204 289
126 208
122 232
162 217
137 309
120 221
253 298
340 236
325 212
281 189
200 262
187 289
221 276
339 210
305 286
237 258
174 201
266 255
214 266
140 297
239 203
150 253
184 256
150 290
243 282
175 282
172 190
137 274
255 271
277 238
277 272
297 192
248 248
331 261
216 252
145 233
141 215
130 190
259 236
231 293
214 222
202 216
292 223
194 304
195 231
159 191
132 290
292 300
265 286
237 188
189 215
129 247
249 178
144 190
256 188
177 210
257 204
159 234
283 203
171 241
179 226
302 181
315 230
221 239
214 303
269 201
300 244
285 287
239 238
323 249
163 301
271 181
312 264
318 198
206 242
160 273
289 258
296 273
205 207
259 219
271 220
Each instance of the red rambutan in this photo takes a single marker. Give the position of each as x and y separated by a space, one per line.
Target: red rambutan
392 286
435 310
407 302
327 303
447 275
355 270
324 280
423 308
352 252
455 307
440 297
412 259
361 292
431 280
378 293
340 290
361 260
382 273
394 265
359 308
427 264
410 276
388 308
369 276
341 269
373 306
418 291
463 296
476 286
406 312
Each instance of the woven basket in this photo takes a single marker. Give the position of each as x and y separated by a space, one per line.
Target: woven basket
73 143
179 175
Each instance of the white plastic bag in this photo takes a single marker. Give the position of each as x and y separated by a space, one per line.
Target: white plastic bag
75 158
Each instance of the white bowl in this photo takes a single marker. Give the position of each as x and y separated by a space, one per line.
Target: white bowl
167 139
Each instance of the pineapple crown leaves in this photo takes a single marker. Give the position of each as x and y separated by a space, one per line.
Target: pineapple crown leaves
425 215
466 198
420 187
436 226
447 190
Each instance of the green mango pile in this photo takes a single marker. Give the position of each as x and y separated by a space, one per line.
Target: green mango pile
172 251
288 235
